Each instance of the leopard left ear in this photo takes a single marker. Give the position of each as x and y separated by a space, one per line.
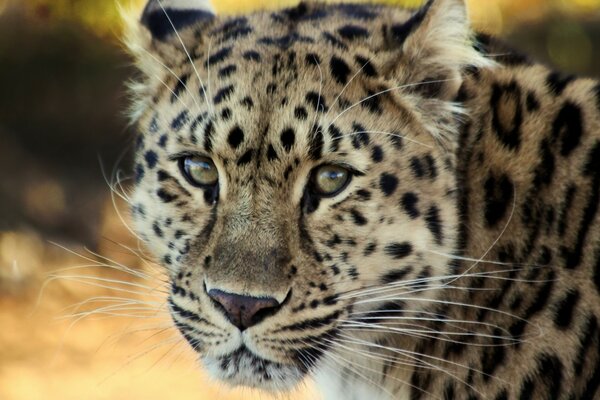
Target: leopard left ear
164 17
435 44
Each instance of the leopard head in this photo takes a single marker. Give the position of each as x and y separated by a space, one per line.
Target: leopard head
295 173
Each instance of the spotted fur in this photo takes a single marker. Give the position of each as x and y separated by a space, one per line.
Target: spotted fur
461 262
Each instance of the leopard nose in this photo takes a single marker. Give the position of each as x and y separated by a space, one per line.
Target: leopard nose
244 311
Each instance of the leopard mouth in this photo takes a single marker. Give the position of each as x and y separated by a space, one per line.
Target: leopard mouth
244 368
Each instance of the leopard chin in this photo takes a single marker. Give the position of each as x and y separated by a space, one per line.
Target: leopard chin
242 367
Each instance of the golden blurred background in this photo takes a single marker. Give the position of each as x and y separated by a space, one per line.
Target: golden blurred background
81 306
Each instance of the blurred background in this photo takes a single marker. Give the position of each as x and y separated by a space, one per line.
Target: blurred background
100 332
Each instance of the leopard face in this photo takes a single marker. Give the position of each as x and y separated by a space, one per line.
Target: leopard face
289 165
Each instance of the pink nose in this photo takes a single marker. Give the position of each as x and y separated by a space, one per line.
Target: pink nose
244 311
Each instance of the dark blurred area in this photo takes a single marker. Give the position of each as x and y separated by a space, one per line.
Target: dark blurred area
62 116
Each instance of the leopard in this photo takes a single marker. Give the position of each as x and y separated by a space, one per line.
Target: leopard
377 199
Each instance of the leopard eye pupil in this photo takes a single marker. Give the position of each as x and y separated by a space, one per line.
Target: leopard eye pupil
199 171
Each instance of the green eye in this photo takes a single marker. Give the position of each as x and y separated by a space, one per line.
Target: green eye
199 171
329 180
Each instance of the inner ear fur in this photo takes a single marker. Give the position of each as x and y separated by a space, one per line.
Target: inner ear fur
431 49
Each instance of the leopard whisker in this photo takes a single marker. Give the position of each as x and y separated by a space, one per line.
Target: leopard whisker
183 84
408 85
346 86
208 102
432 333
347 364
411 354
449 322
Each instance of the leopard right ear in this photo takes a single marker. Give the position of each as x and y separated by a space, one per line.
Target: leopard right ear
164 18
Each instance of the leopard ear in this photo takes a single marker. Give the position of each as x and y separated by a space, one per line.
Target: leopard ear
436 44
164 17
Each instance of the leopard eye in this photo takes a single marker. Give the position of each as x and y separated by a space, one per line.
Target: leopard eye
199 171
329 180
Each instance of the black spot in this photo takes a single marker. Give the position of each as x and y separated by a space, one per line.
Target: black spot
568 127
226 114
369 249
434 224
219 56
157 231
165 196
532 102
162 141
557 82
388 183
431 166
372 102
271 153
315 150
179 121
498 194
360 136
246 158
564 309
317 101
227 71
151 158
363 195
507 115
449 390
248 103
377 154
271 88
547 166
312 59
180 87
223 94
541 297
288 138
586 337
503 395
161 27
400 32
352 32
397 140
398 250
334 41
301 113
356 11
366 66
358 218
417 167
285 41
236 137
493 356
238 32
409 203
208 135
251 56
339 69
139 173
395 275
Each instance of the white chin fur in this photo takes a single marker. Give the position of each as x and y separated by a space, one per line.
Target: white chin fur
246 370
